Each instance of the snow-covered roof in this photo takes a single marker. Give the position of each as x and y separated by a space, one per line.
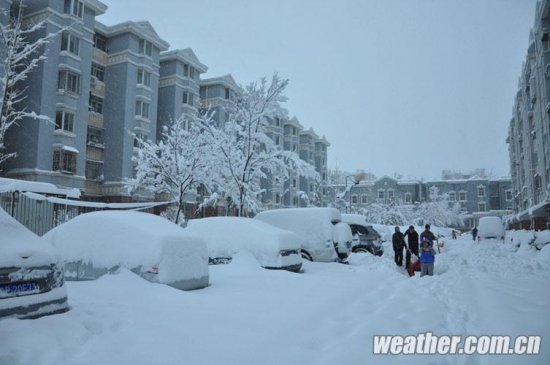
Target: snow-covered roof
11 185
184 55
97 6
142 29
225 80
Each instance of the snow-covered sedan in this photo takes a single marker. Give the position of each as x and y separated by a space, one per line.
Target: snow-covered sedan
31 273
97 243
273 247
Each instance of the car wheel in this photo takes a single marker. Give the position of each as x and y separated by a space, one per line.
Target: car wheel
360 250
306 256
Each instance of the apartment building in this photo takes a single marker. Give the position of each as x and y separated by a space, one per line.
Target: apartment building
128 55
219 95
102 86
528 132
56 152
476 196
179 86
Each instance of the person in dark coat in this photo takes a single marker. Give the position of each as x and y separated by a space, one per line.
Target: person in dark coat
398 244
412 240
474 233
428 235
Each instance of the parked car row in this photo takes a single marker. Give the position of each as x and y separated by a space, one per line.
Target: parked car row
33 270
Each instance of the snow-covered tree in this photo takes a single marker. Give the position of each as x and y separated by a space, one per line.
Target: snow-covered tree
177 164
19 56
246 154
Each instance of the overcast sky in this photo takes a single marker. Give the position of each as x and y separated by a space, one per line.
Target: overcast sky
396 86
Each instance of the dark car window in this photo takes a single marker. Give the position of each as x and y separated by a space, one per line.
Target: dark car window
362 230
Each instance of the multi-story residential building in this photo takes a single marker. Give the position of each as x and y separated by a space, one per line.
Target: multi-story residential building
127 56
56 152
528 133
218 95
102 86
179 85
476 196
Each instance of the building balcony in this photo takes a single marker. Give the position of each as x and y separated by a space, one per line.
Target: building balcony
95 120
97 87
92 187
94 153
99 56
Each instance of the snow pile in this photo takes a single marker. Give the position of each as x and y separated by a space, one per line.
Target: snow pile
21 247
526 240
313 225
107 239
490 227
332 312
226 236
542 238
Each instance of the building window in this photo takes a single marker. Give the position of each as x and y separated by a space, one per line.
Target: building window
508 195
538 182
64 161
143 77
188 98
64 121
69 81
227 97
381 194
94 170
94 137
98 72
311 188
74 7
139 138
142 109
100 42
452 196
364 199
390 194
70 42
277 198
462 196
408 198
481 191
294 183
277 140
96 104
482 207
145 47
354 199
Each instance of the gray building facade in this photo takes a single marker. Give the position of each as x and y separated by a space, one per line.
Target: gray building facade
528 132
58 88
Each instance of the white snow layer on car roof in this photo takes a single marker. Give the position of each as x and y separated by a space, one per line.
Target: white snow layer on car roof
131 239
312 224
354 219
225 236
17 242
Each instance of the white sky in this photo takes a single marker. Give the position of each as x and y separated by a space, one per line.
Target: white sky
406 86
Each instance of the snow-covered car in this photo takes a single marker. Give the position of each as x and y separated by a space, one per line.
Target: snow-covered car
316 228
274 248
490 227
31 273
97 243
365 237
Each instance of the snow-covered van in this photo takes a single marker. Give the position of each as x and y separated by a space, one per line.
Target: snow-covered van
490 227
324 237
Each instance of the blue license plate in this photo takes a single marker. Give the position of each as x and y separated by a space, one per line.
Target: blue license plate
18 289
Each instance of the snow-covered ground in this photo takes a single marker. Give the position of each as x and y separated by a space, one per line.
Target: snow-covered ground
326 315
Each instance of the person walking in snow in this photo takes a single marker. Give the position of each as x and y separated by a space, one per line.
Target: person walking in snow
412 240
427 257
474 233
398 244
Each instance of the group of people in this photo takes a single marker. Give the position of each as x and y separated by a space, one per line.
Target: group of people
423 243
